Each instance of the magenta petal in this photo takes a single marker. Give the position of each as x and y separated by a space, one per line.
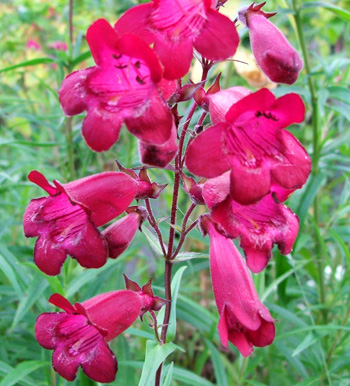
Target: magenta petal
294 170
159 155
105 195
101 38
249 184
218 39
101 128
45 328
240 340
216 190
102 366
61 302
284 114
65 364
175 55
207 154
89 248
72 93
223 328
120 234
39 179
221 102
48 257
136 21
113 323
30 226
264 336
258 101
154 123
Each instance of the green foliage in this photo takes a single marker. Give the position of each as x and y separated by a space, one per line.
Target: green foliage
307 292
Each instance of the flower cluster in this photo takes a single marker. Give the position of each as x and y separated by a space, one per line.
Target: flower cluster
249 164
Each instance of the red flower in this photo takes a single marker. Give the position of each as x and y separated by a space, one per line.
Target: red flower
259 225
178 26
273 53
244 320
122 87
79 335
251 143
66 221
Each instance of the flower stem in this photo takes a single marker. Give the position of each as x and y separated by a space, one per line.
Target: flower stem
169 256
315 156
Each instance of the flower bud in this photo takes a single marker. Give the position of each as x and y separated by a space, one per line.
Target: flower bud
274 54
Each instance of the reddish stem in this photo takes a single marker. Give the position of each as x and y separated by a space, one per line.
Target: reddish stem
152 221
168 264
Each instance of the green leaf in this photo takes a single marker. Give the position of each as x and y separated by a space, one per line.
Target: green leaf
188 378
220 374
20 371
153 241
309 340
32 62
11 276
312 187
155 355
169 375
280 279
32 294
189 256
175 285
342 13
85 55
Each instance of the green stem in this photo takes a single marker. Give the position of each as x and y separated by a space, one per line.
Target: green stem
315 157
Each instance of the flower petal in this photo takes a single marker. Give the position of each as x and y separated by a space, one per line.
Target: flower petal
64 364
207 154
101 128
159 155
45 326
293 172
249 184
72 93
48 257
102 366
153 123
218 39
175 55
136 21
105 195
101 311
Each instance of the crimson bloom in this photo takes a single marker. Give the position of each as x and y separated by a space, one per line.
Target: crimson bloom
122 87
66 221
244 320
273 53
250 142
176 27
79 335
259 225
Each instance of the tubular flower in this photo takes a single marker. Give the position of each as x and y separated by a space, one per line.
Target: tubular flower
273 53
66 221
122 87
244 320
259 225
176 27
79 335
262 157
